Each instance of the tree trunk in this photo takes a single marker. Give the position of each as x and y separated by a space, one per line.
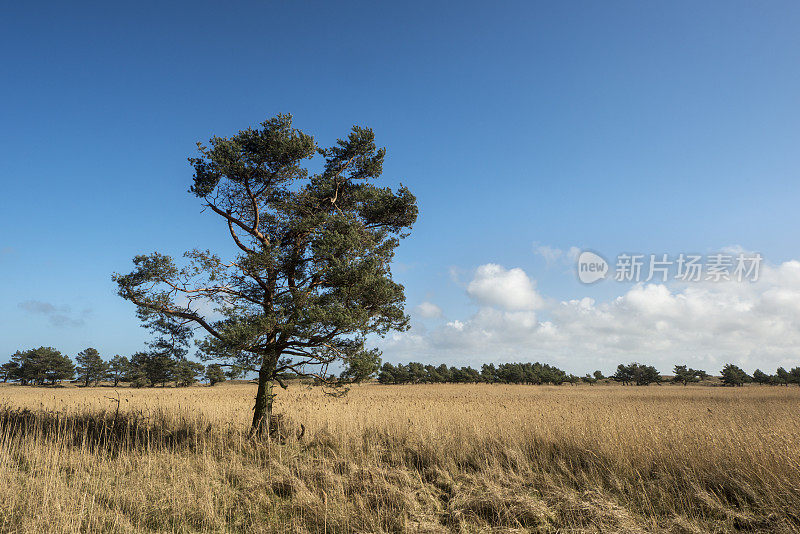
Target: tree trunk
262 411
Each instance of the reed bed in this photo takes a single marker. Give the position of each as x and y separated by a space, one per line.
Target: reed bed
416 458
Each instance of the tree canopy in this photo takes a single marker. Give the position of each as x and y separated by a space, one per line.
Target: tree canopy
733 375
91 367
312 275
637 373
40 366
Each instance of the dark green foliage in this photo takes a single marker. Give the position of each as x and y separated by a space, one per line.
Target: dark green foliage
646 375
489 373
760 377
151 368
388 374
794 376
187 372
40 366
701 375
782 377
624 374
166 360
362 366
468 374
58 367
732 375
172 336
506 373
233 372
91 367
589 379
8 371
117 367
573 379
135 372
443 372
215 374
685 376
598 375
312 278
636 373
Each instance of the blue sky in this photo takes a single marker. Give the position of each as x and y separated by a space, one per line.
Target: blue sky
615 126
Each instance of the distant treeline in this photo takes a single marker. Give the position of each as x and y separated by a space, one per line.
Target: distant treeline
47 365
508 373
542 373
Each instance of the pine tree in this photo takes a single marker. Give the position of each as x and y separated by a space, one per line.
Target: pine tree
312 279
214 374
91 367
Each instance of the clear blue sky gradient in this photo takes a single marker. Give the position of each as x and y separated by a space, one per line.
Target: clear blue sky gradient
612 125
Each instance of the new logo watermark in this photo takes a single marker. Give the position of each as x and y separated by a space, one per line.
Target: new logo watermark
719 267
591 267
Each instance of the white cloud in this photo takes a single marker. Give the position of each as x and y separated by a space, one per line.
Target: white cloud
704 325
511 289
428 310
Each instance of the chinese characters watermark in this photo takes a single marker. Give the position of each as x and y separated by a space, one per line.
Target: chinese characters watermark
718 267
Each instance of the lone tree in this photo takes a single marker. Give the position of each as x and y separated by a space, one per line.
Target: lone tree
312 276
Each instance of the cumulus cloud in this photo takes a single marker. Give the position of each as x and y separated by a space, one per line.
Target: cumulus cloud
704 325
428 310
56 315
510 289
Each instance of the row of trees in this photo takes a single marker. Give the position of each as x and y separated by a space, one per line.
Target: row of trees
734 376
542 373
506 373
46 365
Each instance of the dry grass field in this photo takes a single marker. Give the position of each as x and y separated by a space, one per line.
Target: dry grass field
439 458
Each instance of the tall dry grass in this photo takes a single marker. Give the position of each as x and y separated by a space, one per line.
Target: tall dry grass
436 458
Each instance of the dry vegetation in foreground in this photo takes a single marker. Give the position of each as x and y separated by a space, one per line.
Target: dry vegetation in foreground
403 458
